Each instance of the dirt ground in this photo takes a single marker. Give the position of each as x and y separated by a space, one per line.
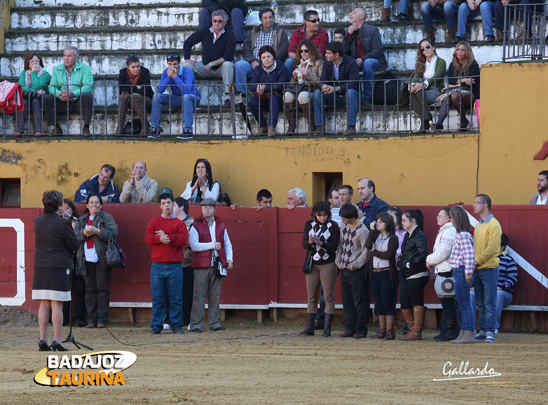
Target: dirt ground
269 363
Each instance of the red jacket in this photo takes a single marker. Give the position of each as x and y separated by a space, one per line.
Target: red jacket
320 39
177 232
202 260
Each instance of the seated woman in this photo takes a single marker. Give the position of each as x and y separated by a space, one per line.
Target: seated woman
268 80
34 81
135 93
464 85
202 184
305 78
426 83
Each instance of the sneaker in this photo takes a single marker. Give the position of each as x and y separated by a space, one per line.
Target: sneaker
155 132
178 329
167 326
480 336
187 134
155 331
490 38
490 339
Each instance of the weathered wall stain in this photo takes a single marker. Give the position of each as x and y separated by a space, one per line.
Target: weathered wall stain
63 174
10 157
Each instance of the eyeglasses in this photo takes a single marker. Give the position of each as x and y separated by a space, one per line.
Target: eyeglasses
314 21
303 51
218 21
173 56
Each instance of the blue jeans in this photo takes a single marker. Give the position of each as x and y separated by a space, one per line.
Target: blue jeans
383 293
487 11
504 298
166 281
289 65
338 101
236 21
448 13
369 68
403 7
242 73
271 105
355 299
485 288
462 295
174 103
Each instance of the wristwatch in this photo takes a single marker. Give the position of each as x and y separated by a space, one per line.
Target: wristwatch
210 65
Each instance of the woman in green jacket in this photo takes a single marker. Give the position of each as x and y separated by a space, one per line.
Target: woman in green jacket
426 83
34 81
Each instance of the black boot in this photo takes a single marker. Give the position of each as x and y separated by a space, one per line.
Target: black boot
328 321
309 331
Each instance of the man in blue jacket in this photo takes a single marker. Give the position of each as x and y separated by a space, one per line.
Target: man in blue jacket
184 93
338 87
218 46
101 184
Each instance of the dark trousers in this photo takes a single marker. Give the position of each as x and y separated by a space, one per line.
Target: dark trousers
97 292
383 293
355 299
412 292
78 298
188 287
54 105
270 105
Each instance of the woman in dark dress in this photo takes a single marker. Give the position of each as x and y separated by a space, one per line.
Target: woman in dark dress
55 243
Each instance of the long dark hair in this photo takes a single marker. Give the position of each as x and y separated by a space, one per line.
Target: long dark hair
71 205
387 219
420 65
321 206
416 215
209 173
397 213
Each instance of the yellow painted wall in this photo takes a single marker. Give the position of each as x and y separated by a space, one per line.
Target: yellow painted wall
413 170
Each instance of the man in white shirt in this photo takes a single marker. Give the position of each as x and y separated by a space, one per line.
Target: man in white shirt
542 186
139 188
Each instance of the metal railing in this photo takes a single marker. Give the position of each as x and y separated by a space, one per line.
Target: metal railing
524 35
211 118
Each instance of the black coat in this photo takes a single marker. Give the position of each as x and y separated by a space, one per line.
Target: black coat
348 70
226 5
414 251
143 82
55 241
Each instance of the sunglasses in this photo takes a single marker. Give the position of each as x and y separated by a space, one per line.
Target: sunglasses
173 56
218 21
314 21
426 47
303 51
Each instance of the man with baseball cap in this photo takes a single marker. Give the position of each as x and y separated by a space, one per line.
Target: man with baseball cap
208 240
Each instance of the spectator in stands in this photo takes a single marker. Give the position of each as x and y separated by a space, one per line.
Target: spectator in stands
426 83
321 234
339 34
135 94
179 81
310 30
166 235
264 199
218 46
70 90
352 256
473 8
268 33
462 263
208 240
100 184
464 85
446 10
34 82
438 264
202 184
487 237
94 230
542 187
139 188
370 205
383 273
296 198
305 79
414 251
338 87
365 46
236 9
499 16
266 94
405 11
508 277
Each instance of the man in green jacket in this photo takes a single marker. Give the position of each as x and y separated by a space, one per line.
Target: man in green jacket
71 90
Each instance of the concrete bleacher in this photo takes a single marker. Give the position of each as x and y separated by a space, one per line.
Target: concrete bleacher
106 32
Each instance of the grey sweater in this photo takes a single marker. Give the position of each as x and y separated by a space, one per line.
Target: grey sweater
352 250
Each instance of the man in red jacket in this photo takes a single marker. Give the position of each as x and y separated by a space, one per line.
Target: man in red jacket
167 236
208 240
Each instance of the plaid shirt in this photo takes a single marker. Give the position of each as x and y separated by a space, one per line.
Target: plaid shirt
463 252
320 39
69 84
264 38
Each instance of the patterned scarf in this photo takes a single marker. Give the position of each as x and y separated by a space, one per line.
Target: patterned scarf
28 78
270 69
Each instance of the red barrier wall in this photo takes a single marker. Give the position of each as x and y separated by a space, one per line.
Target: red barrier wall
267 253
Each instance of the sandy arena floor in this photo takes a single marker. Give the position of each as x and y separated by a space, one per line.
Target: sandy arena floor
251 363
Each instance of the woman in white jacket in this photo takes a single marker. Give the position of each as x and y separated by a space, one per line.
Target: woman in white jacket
438 261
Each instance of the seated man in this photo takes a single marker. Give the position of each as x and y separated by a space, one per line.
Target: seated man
296 198
70 90
139 188
508 276
310 30
101 184
339 87
366 41
440 10
237 10
182 86
218 45
264 199
474 8
268 33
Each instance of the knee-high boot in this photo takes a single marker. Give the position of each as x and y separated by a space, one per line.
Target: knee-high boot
308 113
390 334
408 316
309 330
291 117
142 112
123 107
382 328
328 321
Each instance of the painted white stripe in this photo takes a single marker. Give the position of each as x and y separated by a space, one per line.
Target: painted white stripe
19 227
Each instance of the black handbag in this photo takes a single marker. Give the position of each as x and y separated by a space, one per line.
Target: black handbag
307 266
220 271
113 257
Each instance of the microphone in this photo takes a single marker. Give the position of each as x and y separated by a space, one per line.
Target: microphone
67 215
